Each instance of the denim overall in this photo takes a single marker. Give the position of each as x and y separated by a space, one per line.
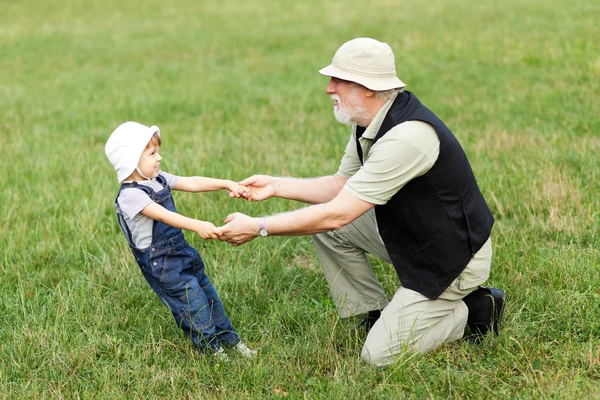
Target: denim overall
175 271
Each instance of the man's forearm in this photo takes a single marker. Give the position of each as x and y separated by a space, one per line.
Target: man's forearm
306 221
318 218
310 190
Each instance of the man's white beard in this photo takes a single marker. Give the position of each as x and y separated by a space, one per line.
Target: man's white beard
350 114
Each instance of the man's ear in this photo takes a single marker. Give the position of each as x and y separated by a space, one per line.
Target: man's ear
369 93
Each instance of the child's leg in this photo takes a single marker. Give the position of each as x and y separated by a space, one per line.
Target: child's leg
226 335
181 290
192 313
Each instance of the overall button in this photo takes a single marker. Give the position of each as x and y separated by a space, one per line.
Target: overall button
153 249
154 263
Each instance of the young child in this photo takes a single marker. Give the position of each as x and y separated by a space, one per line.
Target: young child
147 215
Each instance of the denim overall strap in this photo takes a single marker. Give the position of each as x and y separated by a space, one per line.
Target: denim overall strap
163 234
121 219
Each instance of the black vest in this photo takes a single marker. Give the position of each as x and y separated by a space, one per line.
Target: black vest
433 226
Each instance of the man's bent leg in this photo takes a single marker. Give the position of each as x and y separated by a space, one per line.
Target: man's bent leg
353 285
416 322
412 321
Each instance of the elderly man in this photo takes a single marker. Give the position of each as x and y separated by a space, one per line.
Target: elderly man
405 193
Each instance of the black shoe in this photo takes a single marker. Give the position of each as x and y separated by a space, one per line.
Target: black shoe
369 321
486 306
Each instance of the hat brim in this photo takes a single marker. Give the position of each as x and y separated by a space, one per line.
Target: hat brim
154 129
377 84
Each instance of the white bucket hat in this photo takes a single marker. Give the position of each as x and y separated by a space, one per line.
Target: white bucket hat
126 145
367 62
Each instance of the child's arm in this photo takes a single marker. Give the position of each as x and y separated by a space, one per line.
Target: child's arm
202 184
206 230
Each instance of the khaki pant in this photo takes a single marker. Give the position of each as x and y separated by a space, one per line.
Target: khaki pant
409 320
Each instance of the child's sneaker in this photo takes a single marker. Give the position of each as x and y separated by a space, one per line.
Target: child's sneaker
221 355
244 350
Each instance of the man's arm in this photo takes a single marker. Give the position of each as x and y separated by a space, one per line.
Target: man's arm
340 211
311 191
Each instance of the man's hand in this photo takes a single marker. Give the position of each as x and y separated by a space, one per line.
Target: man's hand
207 230
240 229
257 188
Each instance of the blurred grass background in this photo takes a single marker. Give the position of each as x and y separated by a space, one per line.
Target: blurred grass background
235 90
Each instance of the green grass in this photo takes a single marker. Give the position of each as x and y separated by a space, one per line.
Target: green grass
235 90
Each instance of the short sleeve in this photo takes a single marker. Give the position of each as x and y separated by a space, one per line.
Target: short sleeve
132 201
407 151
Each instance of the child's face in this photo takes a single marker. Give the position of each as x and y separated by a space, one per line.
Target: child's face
150 161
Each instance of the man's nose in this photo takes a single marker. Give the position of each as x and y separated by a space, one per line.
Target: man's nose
330 87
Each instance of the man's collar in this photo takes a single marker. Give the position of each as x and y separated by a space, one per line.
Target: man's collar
375 124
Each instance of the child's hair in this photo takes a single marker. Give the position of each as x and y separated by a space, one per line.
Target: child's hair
155 140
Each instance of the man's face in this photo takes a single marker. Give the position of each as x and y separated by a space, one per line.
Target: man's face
348 106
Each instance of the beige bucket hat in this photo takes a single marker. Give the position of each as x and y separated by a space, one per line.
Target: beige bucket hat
367 62
126 145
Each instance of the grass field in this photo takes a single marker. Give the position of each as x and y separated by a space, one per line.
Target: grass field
235 90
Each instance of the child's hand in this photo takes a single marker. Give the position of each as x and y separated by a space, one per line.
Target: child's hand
207 230
248 193
234 189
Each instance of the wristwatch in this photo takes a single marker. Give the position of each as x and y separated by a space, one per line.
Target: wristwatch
262 229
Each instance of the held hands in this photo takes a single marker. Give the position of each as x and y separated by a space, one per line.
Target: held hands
207 230
256 188
234 189
239 229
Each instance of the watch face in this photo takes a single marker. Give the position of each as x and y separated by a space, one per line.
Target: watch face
263 232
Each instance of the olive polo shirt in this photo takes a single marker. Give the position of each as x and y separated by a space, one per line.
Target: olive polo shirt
405 152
